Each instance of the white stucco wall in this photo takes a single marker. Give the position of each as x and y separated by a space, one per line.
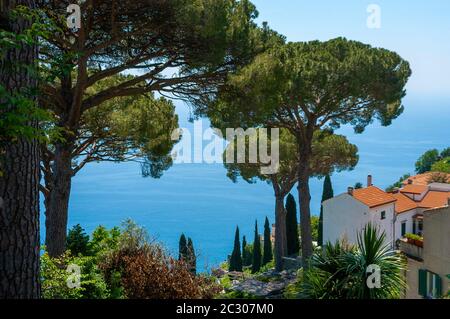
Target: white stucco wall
386 225
343 216
408 218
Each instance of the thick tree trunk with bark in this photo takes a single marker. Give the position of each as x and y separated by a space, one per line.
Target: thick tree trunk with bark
19 184
58 202
280 233
304 197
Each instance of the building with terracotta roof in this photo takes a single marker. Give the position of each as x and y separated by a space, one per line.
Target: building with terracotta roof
426 178
397 213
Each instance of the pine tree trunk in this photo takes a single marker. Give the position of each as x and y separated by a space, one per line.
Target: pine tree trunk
19 185
58 204
280 233
304 197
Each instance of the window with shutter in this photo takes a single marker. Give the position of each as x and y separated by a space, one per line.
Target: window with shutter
438 286
422 283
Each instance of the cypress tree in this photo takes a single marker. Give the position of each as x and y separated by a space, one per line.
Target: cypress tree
191 257
182 248
244 252
236 259
267 255
327 194
256 261
293 245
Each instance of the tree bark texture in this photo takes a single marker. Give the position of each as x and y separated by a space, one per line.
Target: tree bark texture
19 183
57 205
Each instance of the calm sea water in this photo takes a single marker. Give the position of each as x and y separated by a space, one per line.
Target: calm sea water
200 201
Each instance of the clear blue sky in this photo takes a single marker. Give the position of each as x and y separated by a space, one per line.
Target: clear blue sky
418 30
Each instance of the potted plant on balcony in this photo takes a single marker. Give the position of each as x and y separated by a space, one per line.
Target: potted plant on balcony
419 242
414 240
409 238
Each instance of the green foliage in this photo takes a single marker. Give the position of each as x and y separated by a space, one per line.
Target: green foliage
244 252
340 270
247 255
194 44
413 236
55 278
267 250
103 240
445 153
78 241
432 160
442 166
427 160
331 153
435 161
132 236
267 267
19 111
120 263
290 78
327 193
224 265
236 258
225 281
292 234
312 87
256 260
358 185
315 220
398 184
124 129
86 254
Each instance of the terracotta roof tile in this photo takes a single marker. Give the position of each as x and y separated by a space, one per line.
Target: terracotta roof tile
403 203
414 189
421 179
435 199
373 196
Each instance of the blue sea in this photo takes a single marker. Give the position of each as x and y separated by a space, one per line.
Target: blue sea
200 201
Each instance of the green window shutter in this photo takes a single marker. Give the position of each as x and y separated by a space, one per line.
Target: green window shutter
438 285
422 282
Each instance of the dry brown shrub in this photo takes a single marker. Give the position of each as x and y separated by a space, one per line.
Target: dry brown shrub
149 272
438 177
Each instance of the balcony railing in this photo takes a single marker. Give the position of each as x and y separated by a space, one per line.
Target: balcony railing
411 249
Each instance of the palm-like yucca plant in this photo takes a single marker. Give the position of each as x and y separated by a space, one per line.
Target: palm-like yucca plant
372 250
326 278
340 270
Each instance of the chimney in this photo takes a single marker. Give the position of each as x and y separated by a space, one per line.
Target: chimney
369 180
410 181
350 191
